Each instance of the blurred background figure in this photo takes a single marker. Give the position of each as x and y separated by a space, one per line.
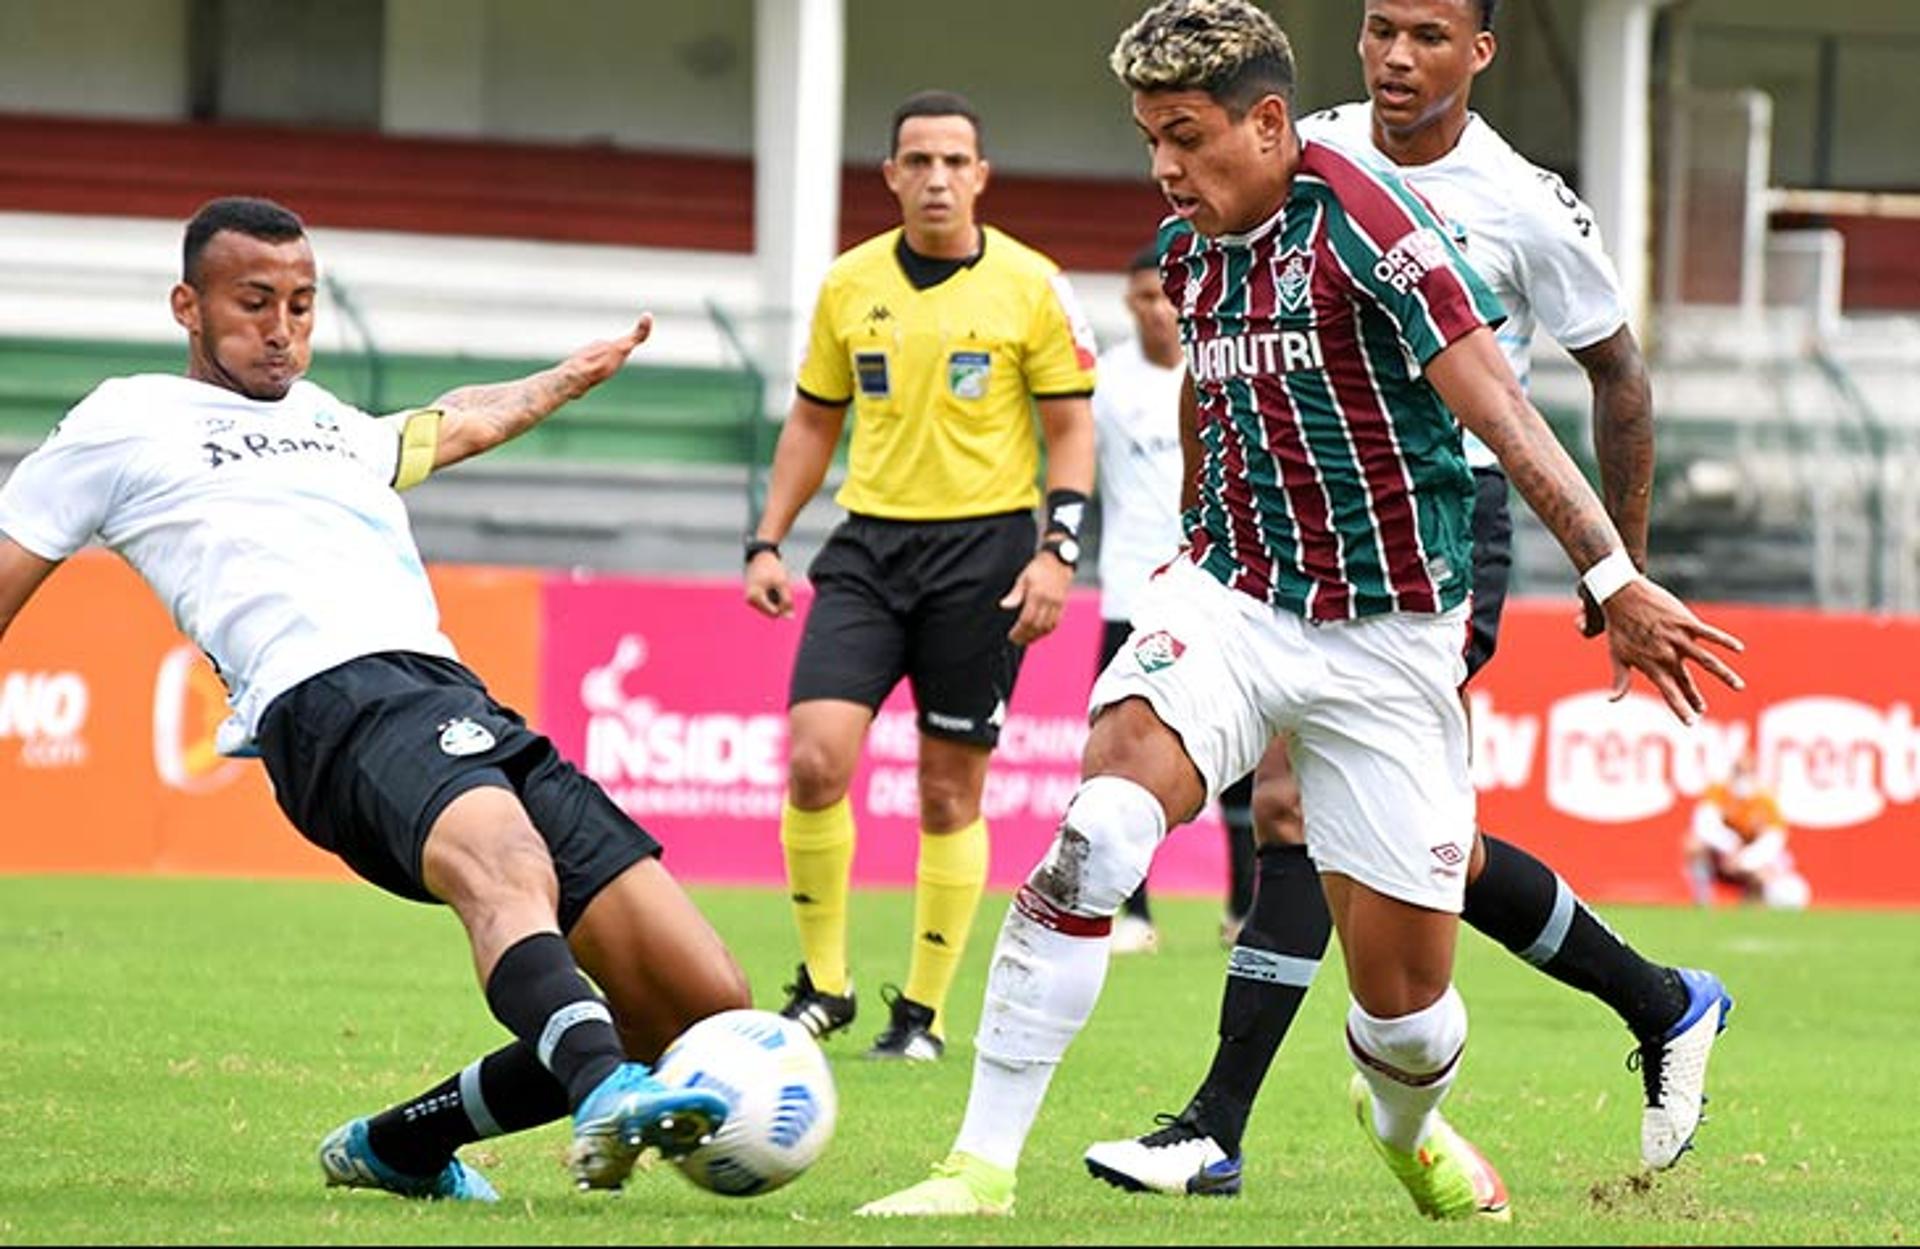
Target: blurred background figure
1136 421
1738 838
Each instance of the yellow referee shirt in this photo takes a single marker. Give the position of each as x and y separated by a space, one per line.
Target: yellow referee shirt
941 379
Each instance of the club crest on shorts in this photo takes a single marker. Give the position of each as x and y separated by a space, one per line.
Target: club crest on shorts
463 737
1158 650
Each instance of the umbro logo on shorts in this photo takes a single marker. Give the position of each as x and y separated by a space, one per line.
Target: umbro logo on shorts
464 737
1158 650
1450 856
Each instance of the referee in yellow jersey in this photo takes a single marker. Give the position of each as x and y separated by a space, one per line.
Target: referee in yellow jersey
943 335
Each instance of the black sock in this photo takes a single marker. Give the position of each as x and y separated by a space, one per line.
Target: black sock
1136 903
506 1091
1267 977
536 989
1521 903
1236 812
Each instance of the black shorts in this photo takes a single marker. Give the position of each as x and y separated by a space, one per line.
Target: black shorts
918 599
1492 564
364 757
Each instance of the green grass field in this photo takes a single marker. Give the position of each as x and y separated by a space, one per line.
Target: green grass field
172 1050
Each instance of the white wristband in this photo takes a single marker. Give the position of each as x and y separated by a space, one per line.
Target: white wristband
1606 578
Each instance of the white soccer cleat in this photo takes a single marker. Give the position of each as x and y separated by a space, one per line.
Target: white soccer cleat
1178 1158
1673 1068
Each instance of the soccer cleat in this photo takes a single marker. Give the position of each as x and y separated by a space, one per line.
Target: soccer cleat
1673 1067
630 1111
1446 1176
822 1014
960 1185
910 1034
1177 1158
347 1159
1134 935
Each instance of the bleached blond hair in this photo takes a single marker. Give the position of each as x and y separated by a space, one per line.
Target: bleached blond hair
1231 49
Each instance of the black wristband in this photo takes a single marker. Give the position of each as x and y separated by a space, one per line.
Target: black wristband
759 546
1065 508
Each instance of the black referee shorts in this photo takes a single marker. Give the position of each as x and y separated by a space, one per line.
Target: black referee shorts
365 756
918 599
1492 564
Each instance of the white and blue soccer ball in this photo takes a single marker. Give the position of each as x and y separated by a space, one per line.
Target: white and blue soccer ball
780 1097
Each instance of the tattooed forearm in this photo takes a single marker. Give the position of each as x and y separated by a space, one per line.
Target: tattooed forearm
508 409
1622 434
1548 480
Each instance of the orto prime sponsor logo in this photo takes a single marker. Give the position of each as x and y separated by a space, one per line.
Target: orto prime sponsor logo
189 704
46 712
1409 260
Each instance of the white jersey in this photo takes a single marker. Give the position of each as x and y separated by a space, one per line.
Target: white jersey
1136 422
1526 233
271 530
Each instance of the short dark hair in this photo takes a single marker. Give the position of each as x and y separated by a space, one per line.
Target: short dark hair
936 104
1230 49
1486 13
1147 257
256 218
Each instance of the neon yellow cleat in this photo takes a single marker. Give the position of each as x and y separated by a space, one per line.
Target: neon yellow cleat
1447 1177
960 1185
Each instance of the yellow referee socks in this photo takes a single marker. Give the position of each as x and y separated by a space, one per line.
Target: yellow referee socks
951 876
819 852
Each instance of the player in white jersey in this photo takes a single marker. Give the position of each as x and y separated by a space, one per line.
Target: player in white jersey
1136 418
264 513
1538 247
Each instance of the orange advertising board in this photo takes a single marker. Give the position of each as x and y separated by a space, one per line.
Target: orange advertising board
107 717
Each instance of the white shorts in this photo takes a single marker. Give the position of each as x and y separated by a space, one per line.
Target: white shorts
1372 709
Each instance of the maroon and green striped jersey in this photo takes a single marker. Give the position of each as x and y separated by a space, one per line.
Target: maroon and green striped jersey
1332 483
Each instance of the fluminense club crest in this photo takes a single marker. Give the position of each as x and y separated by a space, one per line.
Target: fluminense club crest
1292 277
1158 650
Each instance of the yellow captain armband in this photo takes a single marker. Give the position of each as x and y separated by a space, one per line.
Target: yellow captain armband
419 445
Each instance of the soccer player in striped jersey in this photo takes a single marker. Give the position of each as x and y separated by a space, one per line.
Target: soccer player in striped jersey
1538 247
1336 343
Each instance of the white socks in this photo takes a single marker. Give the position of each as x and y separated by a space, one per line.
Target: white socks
1409 1062
1048 967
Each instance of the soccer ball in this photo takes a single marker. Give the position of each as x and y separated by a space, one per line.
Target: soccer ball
780 1098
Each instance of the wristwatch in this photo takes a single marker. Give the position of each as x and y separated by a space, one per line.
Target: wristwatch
1064 548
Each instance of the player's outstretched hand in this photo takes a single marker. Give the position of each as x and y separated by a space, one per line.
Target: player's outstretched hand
1040 594
599 360
1651 630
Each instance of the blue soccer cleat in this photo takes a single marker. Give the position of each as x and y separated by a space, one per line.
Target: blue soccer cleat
1673 1067
349 1162
630 1111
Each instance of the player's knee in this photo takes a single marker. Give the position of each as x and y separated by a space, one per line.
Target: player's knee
817 775
1103 848
1276 813
1422 1043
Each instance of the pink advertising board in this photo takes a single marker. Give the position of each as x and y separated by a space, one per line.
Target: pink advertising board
672 695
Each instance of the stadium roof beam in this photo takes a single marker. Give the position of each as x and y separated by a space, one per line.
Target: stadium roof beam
1616 52
799 88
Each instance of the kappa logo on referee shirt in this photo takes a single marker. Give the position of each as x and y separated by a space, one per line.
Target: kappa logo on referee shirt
1158 650
463 737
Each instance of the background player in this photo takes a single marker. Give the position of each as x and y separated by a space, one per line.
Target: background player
1136 423
942 334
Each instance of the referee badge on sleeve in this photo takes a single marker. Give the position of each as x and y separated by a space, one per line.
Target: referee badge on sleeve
968 373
